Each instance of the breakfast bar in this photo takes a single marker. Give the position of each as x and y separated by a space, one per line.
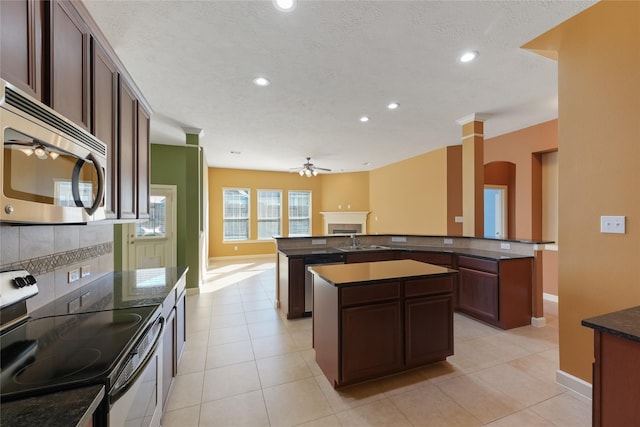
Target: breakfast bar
378 318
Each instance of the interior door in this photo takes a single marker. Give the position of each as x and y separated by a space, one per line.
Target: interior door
152 243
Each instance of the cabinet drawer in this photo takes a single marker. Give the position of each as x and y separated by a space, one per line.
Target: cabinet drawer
430 258
370 293
478 264
436 285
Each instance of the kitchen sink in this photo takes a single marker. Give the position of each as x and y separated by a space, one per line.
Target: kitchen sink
361 248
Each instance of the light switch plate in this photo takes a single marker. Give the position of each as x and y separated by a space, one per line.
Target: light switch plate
459 219
612 224
74 275
447 241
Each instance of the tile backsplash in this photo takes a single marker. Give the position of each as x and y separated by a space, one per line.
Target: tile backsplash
49 252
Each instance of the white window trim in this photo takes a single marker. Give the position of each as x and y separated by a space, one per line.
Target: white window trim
310 213
248 190
264 239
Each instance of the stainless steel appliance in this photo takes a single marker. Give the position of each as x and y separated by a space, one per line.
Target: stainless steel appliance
52 170
105 343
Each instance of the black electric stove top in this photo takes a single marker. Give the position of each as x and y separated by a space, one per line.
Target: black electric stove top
59 352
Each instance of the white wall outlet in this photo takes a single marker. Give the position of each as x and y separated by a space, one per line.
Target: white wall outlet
459 219
448 241
74 305
318 241
398 239
612 224
505 245
74 275
85 271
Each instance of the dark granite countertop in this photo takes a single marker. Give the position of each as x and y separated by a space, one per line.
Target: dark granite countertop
120 289
624 323
515 240
64 408
477 253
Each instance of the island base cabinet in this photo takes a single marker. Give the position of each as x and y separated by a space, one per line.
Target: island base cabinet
478 294
371 341
428 330
616 381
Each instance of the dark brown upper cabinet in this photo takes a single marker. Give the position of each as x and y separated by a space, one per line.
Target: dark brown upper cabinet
69 63
21 45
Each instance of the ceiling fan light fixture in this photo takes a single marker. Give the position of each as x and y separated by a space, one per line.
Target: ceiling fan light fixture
307 173
315 172
301 172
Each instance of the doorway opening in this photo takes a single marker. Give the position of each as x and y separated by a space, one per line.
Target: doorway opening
495 211
153 243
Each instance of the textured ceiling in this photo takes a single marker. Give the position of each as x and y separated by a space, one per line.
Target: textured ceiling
329 63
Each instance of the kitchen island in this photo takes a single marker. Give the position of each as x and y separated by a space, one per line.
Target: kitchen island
378 318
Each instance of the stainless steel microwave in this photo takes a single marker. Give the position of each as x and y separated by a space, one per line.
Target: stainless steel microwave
52 170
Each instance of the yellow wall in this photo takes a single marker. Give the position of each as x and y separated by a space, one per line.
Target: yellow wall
521 148
410 197
327 192
344 191
599 131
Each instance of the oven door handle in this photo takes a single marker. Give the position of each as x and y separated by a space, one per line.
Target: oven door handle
120 388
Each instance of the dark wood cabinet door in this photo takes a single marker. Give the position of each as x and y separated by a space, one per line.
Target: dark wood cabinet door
69 64
104 119
370 257
297 273
443 259
371 341
478 293
168 340
428 329
143 162
21 26
181 329
127 151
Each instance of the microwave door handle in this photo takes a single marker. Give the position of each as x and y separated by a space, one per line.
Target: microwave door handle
100 192
75 184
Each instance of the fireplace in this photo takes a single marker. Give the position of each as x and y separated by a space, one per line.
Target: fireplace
345 222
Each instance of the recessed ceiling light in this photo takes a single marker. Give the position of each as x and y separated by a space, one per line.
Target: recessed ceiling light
285 5
235 152
366 164
393 106
261 81
468 56
364 119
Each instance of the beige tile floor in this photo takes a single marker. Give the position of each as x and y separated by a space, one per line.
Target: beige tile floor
244 365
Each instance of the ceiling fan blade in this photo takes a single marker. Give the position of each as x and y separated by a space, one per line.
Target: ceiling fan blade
322 169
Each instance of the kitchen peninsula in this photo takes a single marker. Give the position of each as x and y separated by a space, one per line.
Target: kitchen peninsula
377 318
497 282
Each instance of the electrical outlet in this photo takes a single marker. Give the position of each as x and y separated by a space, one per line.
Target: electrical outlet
85 271
398 239
612 224
448 241
84 298
318 241
505 246
459 219
74 275
74 305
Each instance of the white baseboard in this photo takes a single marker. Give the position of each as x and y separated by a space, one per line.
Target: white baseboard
550 297
574 384
538 322
241 257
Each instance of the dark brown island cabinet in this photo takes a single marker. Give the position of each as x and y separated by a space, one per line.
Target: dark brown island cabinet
373 319
616 368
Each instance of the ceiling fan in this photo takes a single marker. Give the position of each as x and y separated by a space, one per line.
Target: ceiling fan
308 169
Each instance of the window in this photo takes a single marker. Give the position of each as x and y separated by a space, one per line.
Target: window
299 213
235 203
155 226
269 213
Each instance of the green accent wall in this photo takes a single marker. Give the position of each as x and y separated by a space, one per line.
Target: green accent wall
172 165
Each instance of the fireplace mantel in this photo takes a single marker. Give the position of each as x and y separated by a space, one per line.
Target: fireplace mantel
343 218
